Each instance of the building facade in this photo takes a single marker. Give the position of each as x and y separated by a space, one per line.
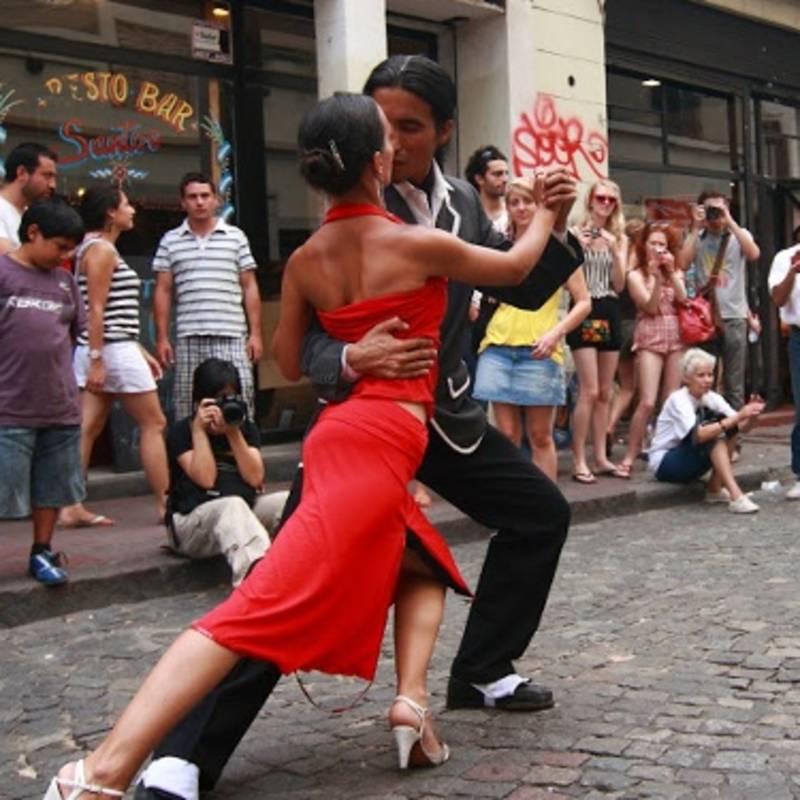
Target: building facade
668 97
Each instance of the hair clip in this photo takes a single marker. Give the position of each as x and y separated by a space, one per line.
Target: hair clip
337 157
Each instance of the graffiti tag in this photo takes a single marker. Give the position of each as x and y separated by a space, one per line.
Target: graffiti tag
546 139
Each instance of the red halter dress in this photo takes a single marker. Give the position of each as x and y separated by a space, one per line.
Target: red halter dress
319 598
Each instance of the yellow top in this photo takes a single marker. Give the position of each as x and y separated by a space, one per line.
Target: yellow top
516 327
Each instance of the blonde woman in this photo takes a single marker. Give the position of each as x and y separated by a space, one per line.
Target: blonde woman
520 366
595 344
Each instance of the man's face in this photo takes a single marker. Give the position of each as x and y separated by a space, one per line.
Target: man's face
47 253
416 138
40 183
199 201
494 181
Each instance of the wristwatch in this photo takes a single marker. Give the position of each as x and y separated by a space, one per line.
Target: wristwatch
95 355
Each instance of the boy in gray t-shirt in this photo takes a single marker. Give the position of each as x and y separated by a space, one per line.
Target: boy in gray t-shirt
41 315
711 220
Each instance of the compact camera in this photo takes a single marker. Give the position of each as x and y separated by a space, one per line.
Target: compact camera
713 212
233 408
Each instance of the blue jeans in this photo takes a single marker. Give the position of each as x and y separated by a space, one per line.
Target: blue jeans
39 468
794 368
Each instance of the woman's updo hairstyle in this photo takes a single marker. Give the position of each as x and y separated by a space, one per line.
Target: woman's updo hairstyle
336 140
96 202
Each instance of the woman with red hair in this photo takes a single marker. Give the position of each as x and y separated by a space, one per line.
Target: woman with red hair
657 288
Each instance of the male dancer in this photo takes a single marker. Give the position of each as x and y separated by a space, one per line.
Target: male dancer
467 462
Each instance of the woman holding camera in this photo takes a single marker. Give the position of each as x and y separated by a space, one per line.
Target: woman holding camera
109 362
595 343
657 288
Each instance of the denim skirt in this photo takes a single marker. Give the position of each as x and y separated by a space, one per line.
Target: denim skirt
511 375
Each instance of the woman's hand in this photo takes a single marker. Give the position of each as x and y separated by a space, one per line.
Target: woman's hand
208 416
155 366
667 263
545 346
96 377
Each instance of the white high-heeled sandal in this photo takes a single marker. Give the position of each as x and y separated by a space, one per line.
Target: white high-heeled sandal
77 786
408 737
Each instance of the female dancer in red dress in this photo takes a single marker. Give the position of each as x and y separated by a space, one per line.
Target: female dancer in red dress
320 596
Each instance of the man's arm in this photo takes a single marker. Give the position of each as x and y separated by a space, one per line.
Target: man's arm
162 302
251 298
333 368
561 257
782 291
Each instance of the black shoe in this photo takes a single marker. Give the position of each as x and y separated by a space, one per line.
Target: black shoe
526 697
143 793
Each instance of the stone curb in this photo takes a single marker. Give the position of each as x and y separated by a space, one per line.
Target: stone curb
164 574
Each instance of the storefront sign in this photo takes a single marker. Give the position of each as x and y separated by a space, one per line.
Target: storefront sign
117 89
122 141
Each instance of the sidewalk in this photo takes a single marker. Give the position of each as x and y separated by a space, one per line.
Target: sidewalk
126 563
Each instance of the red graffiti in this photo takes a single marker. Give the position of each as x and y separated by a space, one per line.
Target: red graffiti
550 140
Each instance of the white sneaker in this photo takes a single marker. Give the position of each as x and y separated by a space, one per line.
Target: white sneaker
794 492
722 496
744 505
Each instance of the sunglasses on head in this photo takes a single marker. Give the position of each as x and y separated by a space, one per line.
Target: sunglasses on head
605 198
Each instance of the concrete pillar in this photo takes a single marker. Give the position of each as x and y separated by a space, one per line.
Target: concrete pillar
351 40
532 82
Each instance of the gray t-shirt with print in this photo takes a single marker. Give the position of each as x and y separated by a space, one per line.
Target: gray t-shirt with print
732 286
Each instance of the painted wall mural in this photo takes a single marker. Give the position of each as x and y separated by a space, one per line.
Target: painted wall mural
545 138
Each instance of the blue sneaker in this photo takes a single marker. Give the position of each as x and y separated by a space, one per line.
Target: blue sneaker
46 568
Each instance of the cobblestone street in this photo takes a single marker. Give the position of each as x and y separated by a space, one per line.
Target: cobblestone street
671 640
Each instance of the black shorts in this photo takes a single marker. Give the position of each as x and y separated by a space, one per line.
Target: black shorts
601 329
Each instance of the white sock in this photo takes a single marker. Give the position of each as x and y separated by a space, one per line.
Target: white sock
173 775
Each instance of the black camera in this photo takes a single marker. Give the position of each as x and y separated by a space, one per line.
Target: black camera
233 408
713 212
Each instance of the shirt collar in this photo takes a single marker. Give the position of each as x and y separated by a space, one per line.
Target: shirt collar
184 229
426 212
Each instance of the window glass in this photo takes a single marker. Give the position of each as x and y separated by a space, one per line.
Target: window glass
165 27
698 127
780 140
634 119
664 195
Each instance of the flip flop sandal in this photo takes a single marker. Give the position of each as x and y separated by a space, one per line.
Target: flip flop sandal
584 477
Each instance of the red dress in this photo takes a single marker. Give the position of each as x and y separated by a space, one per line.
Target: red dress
320 596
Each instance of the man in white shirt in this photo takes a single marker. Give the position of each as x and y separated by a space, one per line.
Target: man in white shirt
30 175
206 265
785 291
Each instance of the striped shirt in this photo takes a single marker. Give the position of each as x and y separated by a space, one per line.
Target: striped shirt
206 278
597 267
121 314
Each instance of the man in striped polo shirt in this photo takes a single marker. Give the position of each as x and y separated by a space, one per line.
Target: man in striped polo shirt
207 266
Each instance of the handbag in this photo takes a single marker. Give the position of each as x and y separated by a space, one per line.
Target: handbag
699 319
696 321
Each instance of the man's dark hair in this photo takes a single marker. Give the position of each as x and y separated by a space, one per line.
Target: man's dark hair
26 155
54 217
479 161
195 177
796 235
96 202
710 194
212 376
336 140
420 76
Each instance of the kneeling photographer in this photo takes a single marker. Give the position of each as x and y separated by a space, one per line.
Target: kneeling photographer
216 470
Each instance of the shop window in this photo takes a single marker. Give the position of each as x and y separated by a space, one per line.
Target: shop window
653 121
667 196
166 26
138 128
699 129
779 140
